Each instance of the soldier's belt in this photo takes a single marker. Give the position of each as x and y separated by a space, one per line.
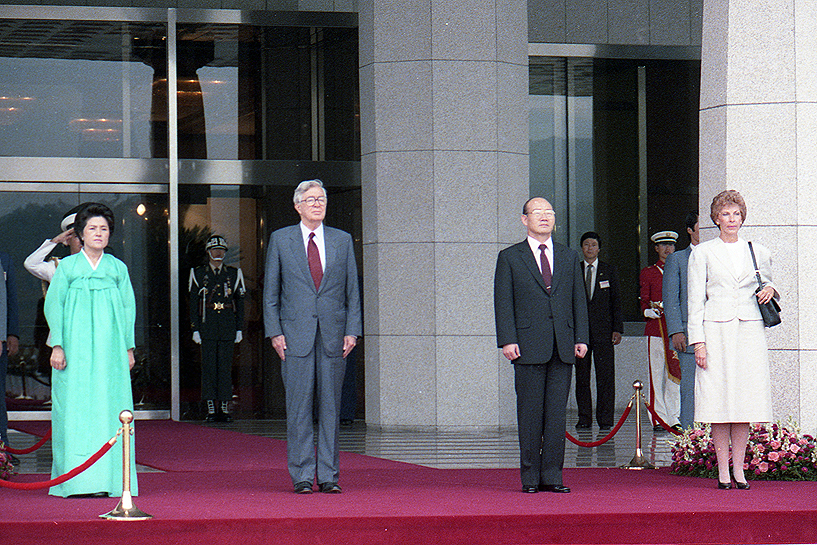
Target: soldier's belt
218 306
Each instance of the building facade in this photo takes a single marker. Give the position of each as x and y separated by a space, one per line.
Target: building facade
431 123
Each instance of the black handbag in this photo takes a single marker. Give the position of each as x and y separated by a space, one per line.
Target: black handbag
771 310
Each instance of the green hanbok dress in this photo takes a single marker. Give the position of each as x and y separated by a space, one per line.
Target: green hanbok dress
92 314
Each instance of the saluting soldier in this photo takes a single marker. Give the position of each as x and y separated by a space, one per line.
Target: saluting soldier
217 317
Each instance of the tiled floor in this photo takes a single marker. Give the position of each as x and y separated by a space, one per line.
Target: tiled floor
468 448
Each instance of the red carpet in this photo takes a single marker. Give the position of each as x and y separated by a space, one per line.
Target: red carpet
222 487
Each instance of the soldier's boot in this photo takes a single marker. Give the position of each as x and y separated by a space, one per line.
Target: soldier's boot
225 414
211 411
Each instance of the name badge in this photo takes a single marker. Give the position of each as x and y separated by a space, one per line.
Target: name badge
604 284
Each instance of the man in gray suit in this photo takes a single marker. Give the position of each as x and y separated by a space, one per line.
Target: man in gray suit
674 290
312 314
541 326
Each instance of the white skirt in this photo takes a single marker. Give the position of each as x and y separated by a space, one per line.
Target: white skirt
736 385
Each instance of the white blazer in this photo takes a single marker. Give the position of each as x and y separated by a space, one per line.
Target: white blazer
716 293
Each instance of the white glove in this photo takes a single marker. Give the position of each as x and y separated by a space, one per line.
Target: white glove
238 337
196 337
651 313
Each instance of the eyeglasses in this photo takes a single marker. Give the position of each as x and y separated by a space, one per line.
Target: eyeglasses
539 213
312 201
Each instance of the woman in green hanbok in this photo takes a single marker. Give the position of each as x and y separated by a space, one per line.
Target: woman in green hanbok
91 310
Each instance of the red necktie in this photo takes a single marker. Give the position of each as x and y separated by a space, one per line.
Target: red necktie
314 258
547 276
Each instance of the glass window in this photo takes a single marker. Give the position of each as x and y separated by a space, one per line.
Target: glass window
614 145
246 216
277 93
79 88
30 218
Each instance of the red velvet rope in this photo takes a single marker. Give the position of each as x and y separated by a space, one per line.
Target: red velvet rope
660 421
62 478
606 437
30 449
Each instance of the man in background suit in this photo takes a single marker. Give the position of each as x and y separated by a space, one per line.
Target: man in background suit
606 326
675 310
541 326
9 335
312 314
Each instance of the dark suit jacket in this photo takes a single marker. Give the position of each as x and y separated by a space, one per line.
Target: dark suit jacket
527 315
604 309
292 305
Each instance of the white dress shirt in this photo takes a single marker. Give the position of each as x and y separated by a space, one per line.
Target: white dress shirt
537 253
319 239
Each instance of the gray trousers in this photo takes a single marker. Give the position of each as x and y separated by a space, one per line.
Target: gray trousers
315 379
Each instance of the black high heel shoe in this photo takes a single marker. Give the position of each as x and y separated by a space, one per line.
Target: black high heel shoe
724 486
742 486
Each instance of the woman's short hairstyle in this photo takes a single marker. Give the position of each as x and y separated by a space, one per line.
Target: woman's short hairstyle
305 186
725 198
92 210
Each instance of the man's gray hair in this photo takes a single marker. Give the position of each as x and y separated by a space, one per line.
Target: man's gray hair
305 186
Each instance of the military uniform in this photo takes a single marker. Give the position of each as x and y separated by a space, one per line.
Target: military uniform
664 367
217 315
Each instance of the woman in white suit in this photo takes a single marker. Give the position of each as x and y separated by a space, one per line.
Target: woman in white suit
732 383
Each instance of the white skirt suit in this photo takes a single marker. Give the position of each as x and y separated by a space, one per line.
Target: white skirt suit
723 313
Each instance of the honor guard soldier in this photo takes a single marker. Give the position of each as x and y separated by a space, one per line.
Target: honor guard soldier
665 369
217 317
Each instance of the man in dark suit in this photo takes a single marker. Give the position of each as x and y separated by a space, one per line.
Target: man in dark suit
606 327
312 314
541 326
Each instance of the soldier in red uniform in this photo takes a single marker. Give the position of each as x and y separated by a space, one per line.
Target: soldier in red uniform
665 369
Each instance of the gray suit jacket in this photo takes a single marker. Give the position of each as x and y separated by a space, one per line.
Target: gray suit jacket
292 305
674 291
527 315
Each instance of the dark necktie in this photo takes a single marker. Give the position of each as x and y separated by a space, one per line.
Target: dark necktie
314 258
547 276
588 281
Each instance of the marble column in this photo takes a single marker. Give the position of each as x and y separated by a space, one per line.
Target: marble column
444 137
758 135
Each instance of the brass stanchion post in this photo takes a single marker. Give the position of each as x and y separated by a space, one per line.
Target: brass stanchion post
639 461
126 510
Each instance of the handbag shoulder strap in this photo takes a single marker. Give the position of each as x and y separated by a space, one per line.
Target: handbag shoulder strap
754 262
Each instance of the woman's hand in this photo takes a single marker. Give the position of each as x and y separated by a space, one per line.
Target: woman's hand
131 359
765 295
58 358
700 355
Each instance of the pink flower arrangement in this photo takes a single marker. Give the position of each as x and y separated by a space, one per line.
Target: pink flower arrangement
6 467
774 452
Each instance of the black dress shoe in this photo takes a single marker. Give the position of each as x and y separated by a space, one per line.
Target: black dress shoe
605 427
724 486
211 417
530 489
13 459
558 488
582 426
742 486
330 488
303 487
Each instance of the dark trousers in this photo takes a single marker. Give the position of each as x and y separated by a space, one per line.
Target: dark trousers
217 370
603 357
541 404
